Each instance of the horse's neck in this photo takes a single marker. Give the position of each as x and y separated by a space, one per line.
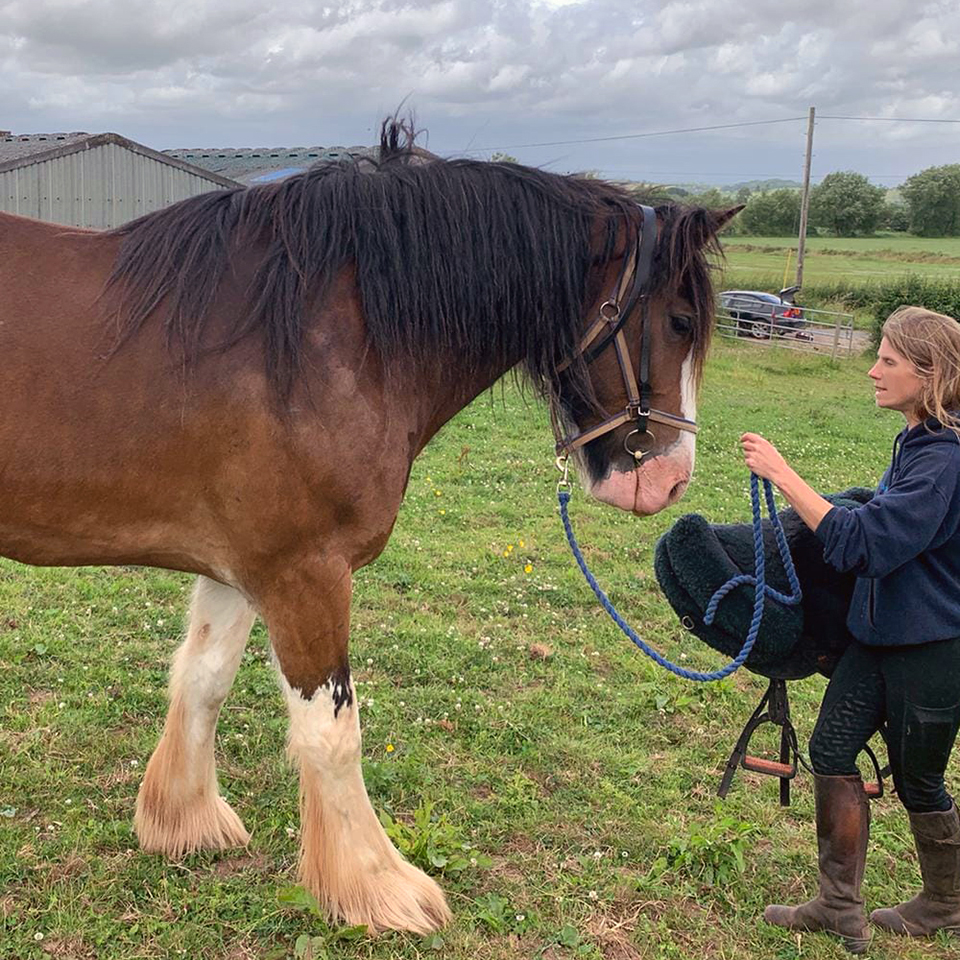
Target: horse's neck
451 390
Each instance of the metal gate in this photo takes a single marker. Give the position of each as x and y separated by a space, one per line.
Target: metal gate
797 328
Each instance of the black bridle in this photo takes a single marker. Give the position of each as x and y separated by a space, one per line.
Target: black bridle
628 293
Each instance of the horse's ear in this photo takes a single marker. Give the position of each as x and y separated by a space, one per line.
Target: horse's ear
723 217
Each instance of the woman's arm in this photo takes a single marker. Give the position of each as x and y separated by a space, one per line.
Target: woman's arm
765 461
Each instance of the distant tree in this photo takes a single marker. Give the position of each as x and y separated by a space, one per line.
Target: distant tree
846 203
712 199
773 214
499 157
744 194
895 215
933 196
648 193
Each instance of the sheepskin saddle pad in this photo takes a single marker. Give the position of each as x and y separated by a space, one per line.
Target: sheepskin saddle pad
694 558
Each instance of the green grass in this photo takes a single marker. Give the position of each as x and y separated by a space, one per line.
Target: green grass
577 775
858 260
897 243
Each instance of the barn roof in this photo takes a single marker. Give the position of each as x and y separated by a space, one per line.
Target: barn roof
21 145
251 165
18 150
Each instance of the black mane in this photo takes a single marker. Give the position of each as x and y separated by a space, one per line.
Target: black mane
481 261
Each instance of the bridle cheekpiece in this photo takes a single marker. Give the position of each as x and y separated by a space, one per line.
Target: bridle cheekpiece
629 292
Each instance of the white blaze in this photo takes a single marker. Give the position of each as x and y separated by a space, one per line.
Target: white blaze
688 407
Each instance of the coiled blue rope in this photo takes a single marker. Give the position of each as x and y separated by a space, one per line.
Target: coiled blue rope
758 580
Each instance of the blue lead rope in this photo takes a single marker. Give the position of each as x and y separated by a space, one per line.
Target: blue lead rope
759 581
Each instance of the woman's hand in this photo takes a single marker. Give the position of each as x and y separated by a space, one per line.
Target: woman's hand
763 458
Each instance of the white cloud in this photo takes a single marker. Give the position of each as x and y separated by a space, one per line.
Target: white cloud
492 72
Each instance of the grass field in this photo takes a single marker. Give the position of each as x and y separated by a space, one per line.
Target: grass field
559 785
829 259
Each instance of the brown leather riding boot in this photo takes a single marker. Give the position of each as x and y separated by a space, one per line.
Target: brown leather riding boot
843 826
937 906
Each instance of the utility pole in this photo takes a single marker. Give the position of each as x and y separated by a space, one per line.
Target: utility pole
805 198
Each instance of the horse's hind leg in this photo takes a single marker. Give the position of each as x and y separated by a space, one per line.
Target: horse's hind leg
179 807
346 859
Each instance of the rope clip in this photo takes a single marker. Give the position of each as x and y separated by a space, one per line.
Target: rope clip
563 467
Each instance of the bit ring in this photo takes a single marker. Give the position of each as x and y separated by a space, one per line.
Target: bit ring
638 454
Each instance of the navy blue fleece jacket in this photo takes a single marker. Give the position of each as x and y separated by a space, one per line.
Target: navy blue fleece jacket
904 545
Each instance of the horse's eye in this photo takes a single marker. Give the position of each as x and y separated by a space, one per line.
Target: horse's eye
682 326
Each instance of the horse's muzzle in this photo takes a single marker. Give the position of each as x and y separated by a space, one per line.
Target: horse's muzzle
653 485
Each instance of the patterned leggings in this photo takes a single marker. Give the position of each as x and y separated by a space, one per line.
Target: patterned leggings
916 690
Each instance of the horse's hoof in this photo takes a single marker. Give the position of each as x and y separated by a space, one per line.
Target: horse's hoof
402 898
177 830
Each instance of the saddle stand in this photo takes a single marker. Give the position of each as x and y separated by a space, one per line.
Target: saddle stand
774 708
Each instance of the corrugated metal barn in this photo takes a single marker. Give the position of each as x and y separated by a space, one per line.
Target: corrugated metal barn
93 180
254 165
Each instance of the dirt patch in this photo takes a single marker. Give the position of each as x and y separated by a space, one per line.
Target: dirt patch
242 950
122 774
245 863
73 866
68 948
611 933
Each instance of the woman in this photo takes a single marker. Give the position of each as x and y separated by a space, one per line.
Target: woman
904 666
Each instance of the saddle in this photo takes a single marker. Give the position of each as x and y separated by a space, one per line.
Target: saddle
694 558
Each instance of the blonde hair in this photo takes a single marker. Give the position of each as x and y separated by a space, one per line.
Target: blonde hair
931 342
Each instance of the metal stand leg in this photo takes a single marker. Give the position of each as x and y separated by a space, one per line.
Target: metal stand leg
773 708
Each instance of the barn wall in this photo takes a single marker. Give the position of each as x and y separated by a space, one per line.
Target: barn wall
101 187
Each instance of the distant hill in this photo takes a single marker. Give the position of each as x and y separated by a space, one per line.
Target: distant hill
754 186
760 186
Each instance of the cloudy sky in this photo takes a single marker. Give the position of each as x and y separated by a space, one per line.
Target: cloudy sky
512 75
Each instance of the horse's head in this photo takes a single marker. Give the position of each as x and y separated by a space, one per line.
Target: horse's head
632 430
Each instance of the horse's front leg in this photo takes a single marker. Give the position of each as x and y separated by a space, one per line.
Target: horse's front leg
179 807
346 859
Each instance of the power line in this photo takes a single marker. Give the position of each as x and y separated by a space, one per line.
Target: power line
754 176
636 136
824 116
717 126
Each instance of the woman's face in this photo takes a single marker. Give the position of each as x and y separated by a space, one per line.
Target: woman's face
895 382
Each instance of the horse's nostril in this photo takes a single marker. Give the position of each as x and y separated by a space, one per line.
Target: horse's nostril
677 492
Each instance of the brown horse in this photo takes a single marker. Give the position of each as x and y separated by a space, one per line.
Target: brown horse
237 387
